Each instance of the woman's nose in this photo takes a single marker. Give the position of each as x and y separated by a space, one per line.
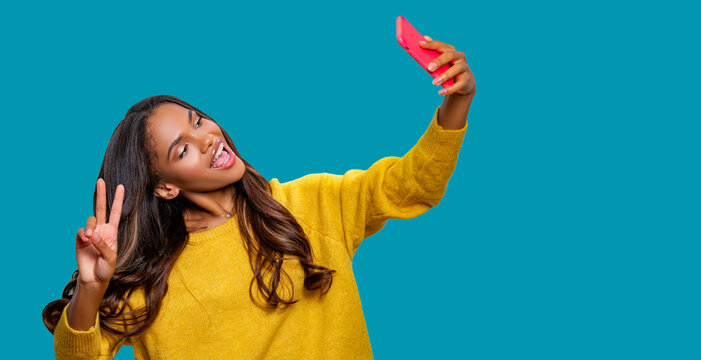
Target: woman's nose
207 143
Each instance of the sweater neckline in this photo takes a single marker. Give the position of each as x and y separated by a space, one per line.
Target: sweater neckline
229 226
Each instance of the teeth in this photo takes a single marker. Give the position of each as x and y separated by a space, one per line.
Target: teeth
216 155
227 159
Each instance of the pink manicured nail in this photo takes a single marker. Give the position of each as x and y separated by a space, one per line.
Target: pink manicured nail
88 232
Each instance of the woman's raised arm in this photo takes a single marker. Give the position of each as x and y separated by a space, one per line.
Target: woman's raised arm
77 333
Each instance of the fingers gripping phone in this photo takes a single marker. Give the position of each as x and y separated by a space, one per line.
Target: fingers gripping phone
408 38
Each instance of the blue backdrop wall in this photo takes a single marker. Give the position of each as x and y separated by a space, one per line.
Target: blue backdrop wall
569 230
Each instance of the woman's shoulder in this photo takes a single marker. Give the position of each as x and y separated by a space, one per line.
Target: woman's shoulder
134 299
302 193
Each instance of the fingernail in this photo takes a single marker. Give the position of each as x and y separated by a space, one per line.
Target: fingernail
432 66
88 232
437 80
442 92
422 42
96 238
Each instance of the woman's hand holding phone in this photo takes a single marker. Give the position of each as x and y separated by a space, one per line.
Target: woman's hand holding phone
465 80
446 65
96 245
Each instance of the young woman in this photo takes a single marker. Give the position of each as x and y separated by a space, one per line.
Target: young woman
202 258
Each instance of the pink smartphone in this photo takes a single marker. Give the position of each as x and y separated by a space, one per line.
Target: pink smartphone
409 38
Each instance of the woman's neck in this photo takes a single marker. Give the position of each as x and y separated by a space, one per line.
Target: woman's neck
199 225
210 209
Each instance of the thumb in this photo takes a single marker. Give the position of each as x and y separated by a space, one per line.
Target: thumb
103 248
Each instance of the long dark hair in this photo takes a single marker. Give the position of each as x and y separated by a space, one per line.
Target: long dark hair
152 231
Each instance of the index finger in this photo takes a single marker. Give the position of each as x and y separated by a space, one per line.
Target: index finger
436 45
101 207
116 212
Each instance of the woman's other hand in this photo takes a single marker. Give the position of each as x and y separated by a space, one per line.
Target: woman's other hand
96 245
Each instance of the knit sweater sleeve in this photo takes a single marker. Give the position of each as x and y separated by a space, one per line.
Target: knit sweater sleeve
357 204
94 343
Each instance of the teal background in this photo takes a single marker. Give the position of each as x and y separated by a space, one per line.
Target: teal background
569 230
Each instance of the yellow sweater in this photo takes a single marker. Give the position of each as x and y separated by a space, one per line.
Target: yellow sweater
207 312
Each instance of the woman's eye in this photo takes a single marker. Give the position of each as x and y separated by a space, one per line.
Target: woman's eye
197 124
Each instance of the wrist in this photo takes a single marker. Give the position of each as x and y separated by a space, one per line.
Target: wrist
462 96
92 287
84 307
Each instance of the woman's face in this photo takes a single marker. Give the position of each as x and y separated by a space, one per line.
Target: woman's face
185 146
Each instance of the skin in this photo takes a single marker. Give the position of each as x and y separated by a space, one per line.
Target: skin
191 174
452 114
96 254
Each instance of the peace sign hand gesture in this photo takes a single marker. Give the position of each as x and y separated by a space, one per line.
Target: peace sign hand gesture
96 245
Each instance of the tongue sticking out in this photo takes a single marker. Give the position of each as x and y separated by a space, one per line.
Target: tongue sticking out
222 159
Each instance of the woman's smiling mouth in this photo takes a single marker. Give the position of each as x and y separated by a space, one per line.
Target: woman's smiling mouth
223 157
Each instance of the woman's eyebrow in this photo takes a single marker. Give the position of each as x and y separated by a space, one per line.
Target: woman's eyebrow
180 137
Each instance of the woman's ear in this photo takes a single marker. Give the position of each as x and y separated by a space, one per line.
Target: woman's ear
166 191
